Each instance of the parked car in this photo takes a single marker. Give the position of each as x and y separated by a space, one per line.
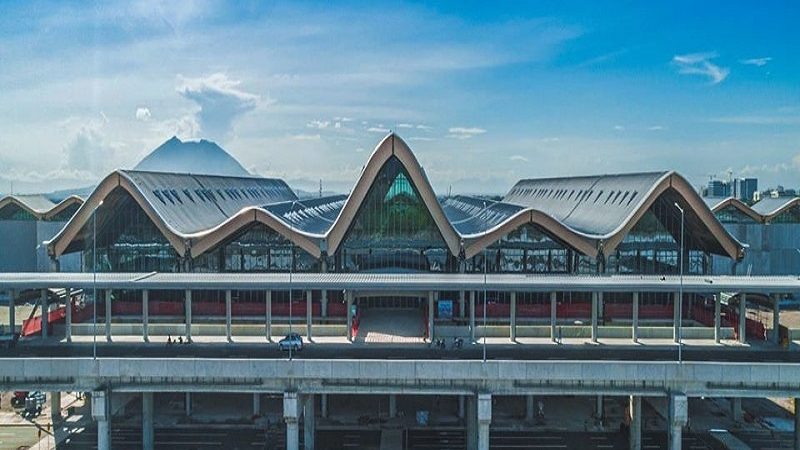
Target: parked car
292 341
18 400
34 403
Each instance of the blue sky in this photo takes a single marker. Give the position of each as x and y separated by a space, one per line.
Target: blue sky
485 94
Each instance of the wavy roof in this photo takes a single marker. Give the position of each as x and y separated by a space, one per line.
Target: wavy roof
589 214
38 205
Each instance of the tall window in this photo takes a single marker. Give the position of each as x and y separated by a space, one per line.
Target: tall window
393 230
730 214
790 215
526 249
14 212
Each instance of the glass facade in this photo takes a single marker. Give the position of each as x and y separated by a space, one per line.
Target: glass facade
14 212
730 214
393 231
527 249
790 215
65 214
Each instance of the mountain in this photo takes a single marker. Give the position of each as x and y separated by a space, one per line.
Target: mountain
200 157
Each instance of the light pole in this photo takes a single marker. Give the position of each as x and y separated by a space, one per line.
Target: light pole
291 270
485 298
680 290
94 280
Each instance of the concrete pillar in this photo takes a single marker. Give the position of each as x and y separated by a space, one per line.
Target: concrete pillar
309 303
484 420
228 315
472 421
776 319
736 409
392 405
68 312
431 305
45 313
676 319
55 406
146 315
460 406
678 415
718 318
323 405
530 411
635 318
12 320
461 303
101 415
635 430
148 434
324 303
472 316
742 318
598 409
601 316
595 302
256 404
553 312
187 403
187 305
291 412
268 316
797 424
108 294
513 316
309 422
349 297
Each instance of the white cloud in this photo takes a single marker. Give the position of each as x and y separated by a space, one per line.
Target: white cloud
378 129
619 128
405 125
420 139
220 101
143 114
464 132
700 64
655 128
424 127
88 152
518 158
318 124
756 61
306 137
550 139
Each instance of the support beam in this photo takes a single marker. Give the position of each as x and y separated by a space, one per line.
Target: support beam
309 422
146 315
68 312
148 433
55 406
599 410
12 319
472 421
736 409
187 306
530 412
309 304
431 306
349 296
513 316
256 404
461 406
635 429
268 317
291 412
678 416
553 316
228 315
462 296
676 318
323 405
776 319
718 318
108 294
797 424
484 420
100 414
742 318
595 304
635 318
187 404
392 406
472 316
46 313
324 303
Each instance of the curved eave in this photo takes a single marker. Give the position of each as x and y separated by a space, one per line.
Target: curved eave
691 201
40 215
206 240
59 243
781 209
62 205
391 145
553 227
739 205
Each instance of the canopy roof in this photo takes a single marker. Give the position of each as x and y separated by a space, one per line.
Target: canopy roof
589 214
39 205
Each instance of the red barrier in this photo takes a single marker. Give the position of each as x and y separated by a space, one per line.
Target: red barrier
122 308
656 312
33 326
337 309
165 308
533 310
209 308
575 310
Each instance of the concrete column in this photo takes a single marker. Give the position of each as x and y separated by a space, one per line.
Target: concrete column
45 313
461 303
635 430
68 311
431 305
146 315
309 422
797 424
55 406
530 412
349 296
461 406
513 316
553 312
635 318
742 318
148 434
472 421
676 319
484 420
324 303
598 410
601 316
776 319
291 411
12 320
678 415
595 301
187 305
187 403
108 293
100 414
228 314
736 409
392 405
309 303
472 315
268 316
256 404
718 318
323 405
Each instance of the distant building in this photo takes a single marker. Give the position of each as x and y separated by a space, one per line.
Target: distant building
718 188
745 188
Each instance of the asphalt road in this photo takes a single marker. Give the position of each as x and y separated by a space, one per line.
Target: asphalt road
355 351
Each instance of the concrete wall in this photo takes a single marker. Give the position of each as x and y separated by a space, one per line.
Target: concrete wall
19 240
175 330
772 251
574 331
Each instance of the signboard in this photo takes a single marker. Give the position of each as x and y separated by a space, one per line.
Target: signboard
445 309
